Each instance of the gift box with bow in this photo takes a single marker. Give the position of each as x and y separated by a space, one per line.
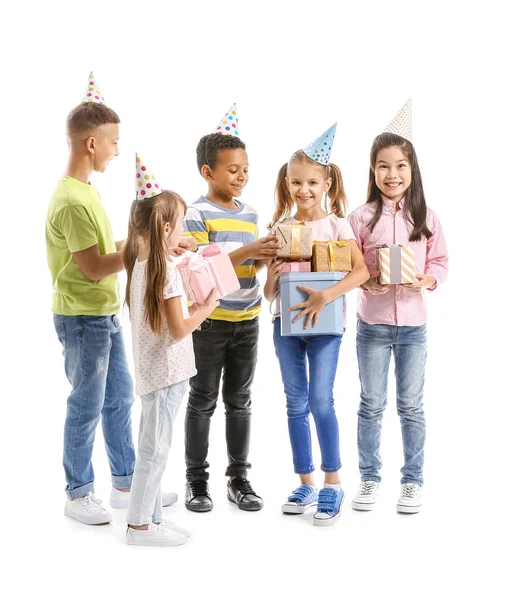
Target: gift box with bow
332 256
295 240
206 269
396 264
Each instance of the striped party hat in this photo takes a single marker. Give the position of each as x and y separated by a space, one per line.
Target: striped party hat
229 124
401 124
320 149
92 93
145 183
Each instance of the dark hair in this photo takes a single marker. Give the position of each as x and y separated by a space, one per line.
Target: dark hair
284 202
148 217
415 208
209 146
88 115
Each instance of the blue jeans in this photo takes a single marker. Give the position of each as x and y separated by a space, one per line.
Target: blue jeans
97 369
313 396
375 344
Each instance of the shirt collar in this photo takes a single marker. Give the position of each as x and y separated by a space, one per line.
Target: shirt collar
389 205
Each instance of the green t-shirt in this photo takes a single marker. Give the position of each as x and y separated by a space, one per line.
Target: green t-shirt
76 220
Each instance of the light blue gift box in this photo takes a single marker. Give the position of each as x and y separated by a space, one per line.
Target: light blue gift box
331 317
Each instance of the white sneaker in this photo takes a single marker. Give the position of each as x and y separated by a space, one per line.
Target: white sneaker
411 498
171 526
154 535
366 496
120 499
87 510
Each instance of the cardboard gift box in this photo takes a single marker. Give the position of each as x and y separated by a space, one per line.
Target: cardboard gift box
206 269
331 317
332 256
396 264
298 266
295 241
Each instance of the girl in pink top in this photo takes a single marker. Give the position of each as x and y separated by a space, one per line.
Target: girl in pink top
302 183
391 318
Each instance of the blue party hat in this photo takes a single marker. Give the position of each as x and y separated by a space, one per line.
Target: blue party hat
320 149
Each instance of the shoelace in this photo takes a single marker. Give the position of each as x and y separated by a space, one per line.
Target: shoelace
90 501
367 488
199 488
327 500
301 493
243 485
409 490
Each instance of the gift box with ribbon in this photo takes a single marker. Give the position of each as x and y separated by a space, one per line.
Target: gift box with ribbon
396 264
295 240
206 269
332 256
297 266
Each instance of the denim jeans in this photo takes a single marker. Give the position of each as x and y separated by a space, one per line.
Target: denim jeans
375 344
159 411
231 349
97 369
310 395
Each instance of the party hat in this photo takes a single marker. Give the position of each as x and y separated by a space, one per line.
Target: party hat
320 149
401 125
145 182
92 93
229 124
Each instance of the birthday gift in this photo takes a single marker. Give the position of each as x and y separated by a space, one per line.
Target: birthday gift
332 256
295 241
206 269
297 266
396 264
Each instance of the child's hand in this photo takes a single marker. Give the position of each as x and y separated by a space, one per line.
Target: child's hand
275 268
211 303
188 242
372 285
317 299
263 248
175 251
424 282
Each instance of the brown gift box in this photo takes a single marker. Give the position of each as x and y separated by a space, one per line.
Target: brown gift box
331 256
295 241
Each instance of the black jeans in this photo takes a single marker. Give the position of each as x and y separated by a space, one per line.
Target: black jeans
231 348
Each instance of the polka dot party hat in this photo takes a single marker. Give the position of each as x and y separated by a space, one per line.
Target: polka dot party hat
229 124
401 125
320 149
92 93
145 183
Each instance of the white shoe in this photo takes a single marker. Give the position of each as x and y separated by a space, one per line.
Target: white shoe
366 496
154 535
87 510
120 499
171 526
411 498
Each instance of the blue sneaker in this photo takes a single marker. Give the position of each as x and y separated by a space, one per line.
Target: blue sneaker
302 498
329 506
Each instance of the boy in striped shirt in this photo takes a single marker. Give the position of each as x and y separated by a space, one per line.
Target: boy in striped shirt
227 341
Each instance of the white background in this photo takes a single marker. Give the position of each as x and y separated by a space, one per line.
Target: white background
293 68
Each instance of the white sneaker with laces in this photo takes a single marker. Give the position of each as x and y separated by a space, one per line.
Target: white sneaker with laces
366 496
120 499
87 510
171 526
410 500
154 535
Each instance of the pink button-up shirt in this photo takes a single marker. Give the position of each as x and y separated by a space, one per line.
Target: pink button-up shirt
398 306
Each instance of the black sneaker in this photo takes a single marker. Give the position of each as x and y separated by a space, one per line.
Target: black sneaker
197 497
240 492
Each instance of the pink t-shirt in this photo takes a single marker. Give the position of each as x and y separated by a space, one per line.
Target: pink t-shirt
327 229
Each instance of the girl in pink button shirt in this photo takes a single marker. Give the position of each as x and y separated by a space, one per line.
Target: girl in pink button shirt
391 318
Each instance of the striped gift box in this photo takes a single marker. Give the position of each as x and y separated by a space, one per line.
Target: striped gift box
396 264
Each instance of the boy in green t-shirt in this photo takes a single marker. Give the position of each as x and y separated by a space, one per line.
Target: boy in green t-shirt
84 259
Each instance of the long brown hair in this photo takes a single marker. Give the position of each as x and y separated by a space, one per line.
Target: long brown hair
284 202
415 207
147 219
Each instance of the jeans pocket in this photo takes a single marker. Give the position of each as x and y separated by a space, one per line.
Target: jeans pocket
61 333
206 325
